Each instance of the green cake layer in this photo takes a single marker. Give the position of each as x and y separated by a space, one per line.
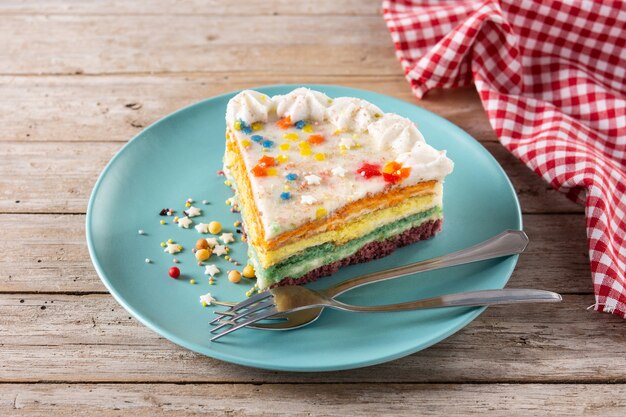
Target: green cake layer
311 258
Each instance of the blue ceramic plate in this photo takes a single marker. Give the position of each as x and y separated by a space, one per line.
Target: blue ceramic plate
177 158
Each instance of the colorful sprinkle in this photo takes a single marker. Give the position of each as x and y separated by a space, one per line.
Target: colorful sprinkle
267 161
320 212
256 126
284 147
284 123
308 128
272 172
282 158
316 139
237 125
291 176
162 222
245 143
163 244
393 172
193 281
369 170
306 152
291 136
267 143
300 124
285 195
256 138
319 156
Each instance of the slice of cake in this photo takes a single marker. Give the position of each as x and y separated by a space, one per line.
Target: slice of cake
323 183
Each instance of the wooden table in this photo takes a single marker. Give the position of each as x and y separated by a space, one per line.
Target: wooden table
78 79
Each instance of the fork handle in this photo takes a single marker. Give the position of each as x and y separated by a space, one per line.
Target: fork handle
509 242
466 299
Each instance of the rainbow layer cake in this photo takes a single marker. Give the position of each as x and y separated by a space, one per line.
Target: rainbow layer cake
323 183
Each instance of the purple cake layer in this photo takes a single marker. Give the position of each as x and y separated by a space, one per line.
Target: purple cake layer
369 252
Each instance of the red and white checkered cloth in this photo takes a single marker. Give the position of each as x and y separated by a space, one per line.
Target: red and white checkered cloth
552 78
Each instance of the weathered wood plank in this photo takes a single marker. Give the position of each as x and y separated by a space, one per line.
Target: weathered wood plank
115 108
58 178
212 7
48 44
150 400
48 253
91 338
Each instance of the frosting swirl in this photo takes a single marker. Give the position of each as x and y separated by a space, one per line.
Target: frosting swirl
352 114
302 104
395 132
248 106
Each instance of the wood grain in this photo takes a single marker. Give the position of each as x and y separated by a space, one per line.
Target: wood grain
22 400
65 174
91 338
47 44
195 7
116 108
48 253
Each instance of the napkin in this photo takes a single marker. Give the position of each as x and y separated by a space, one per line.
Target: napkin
552 78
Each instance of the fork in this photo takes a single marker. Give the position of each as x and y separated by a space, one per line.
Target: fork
296 298
506 243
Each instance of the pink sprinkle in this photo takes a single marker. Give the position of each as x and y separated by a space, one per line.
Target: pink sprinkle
199 263
176 260
194 250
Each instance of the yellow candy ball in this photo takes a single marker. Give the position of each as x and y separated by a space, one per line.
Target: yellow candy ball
248 271
203 254
234 276
215 227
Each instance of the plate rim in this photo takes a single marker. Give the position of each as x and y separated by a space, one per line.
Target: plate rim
470 316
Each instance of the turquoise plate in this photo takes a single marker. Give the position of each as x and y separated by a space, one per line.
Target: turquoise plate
177 158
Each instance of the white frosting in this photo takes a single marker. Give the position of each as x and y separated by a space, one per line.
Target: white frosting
325 174
426 162
352 114
248 106
302 104
395 132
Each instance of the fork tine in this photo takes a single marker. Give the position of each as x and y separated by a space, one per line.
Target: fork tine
234 319
258 317
255 298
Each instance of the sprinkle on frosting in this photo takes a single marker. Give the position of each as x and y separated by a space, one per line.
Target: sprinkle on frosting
312 179
285 195
339 171
291 176
308 199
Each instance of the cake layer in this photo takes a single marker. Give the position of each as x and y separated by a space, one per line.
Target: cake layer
328 253
369 252
351 230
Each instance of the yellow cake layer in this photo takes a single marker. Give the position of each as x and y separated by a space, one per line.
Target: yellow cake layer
351 230
335 221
